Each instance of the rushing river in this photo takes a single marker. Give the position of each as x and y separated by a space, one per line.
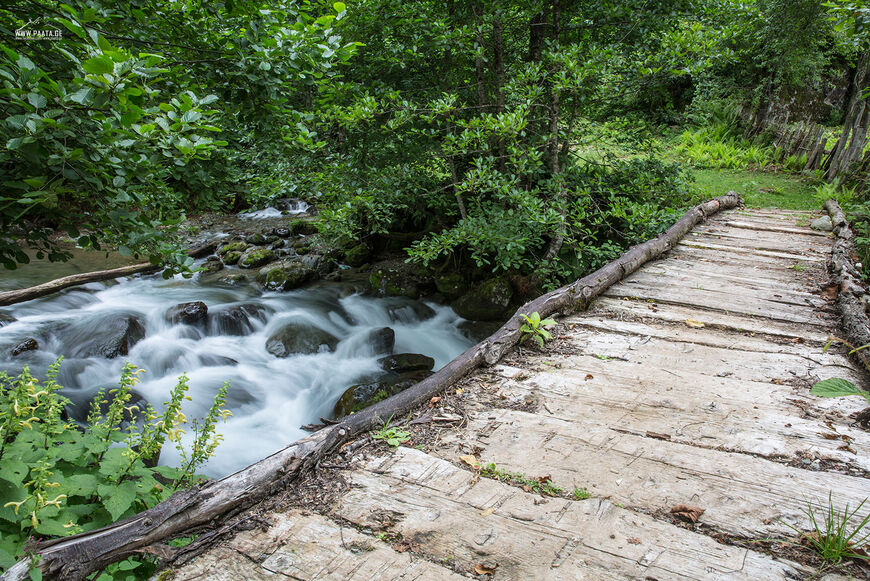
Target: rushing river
270 397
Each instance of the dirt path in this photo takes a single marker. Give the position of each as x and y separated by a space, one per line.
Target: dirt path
686 384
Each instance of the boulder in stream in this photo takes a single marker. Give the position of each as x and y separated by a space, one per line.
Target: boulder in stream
487 301
381 340
236 320
256 256
6 319
363 395
108 336
29 344
188 313
285 275
406 362
299 338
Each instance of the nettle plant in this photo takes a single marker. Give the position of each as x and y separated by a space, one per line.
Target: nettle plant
57 479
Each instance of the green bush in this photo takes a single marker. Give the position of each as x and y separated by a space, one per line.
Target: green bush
57 479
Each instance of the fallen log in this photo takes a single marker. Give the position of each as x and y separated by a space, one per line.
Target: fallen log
20 295
75 557
844 274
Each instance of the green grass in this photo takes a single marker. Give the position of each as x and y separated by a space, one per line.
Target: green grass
759 189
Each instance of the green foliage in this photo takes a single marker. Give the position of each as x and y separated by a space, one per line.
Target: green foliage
580 494
114 131
832 536
543 485
392 435
836 387
58 479
717 146
537 328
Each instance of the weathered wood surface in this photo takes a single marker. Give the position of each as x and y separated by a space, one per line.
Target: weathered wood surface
686 383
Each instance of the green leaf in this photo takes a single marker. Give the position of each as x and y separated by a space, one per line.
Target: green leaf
80 484
98 65
836 387
35 574
339 7
37 100
82 96
118 499
13 470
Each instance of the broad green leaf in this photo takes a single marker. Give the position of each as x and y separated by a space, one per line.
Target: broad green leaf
118 499
836 387
80 484
13 470
82 96
37 100
98 65
339 7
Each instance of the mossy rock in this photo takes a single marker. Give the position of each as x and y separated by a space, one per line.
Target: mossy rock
257 239
285 275
302 227
451 285
394 281
233 247
363 395
254 257
357 255
232 257
488 301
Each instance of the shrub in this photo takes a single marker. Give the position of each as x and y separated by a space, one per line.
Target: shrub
57 479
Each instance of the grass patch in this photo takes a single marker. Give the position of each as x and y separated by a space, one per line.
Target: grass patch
760 189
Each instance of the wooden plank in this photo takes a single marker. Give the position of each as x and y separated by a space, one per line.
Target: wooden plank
653 475
717 300
445 511
617 308
751 417
745 240
761 225
722 282
729 248
302 546
742 259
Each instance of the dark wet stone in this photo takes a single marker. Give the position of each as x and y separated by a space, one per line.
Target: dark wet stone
451 285
216 361
381 340
410 312
29 344
358 255
363 395
187 313
213 264
236 320
405 362
108 336
285 275
282 232
299 338
6 319
488 301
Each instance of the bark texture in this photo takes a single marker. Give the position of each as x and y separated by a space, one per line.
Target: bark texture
73 558
850 299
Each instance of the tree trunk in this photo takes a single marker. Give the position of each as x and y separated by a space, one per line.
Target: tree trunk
75 557
850 146
498 58
553 145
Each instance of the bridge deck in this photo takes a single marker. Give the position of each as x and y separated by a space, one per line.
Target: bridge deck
686 384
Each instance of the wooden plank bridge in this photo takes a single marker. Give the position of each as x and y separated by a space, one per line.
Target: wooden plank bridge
684 387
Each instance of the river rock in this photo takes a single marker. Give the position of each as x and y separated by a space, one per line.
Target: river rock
357 255
29 344
488 301
381 340
398 279
285 275
233 279
406 362
231 258
299 338
255 257
237 246
6 319
302 227
236 320
257 239
363 395
282 232
108 336
212 265
410 311
824 224
451 285
187 313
